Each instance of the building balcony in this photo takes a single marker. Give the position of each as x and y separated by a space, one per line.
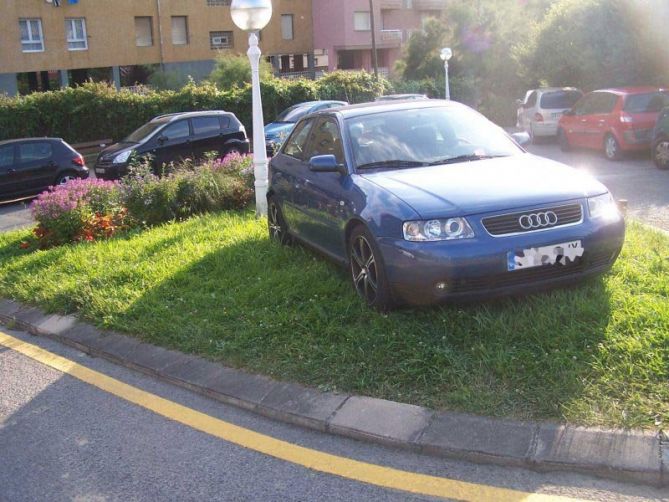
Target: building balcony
429 4
391 4
392 38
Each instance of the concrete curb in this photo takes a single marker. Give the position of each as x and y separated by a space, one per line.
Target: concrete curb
630 455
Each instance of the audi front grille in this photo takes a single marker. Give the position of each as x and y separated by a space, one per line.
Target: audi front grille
533 220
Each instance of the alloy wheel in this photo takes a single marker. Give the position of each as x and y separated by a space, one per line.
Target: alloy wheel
611 147
364 269
63 180
275 228
662 154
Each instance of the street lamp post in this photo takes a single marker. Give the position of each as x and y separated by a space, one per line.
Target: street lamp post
445 55
252 16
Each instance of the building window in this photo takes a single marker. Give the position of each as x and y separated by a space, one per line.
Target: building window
76 34
144 31
218 3
361 21
287 26
179 30
221 39
32 38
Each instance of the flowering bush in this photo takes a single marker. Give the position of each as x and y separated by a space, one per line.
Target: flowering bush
79 210
86 210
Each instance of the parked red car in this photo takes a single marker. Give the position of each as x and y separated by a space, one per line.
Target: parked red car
613 120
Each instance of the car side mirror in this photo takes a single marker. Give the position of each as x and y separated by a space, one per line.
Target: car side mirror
326 164
520 102
162 139
522 138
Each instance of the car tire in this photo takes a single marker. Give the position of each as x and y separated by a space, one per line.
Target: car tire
563 141
661 154
65 177
231 150
368 273
612 147
276 224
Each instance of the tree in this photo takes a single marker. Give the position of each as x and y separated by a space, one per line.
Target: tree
598 43
233 70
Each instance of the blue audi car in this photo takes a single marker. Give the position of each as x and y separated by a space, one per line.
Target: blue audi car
428 201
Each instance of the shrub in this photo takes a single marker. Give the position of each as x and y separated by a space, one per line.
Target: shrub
96 110
234 70
187 189
79 210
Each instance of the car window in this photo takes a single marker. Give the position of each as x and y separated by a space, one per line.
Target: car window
583 105
294 113
6 155
206 126
603 103
531 100
651 102
556 100
143 132
297 142
325 140
39 150
225 122
177 130
413 137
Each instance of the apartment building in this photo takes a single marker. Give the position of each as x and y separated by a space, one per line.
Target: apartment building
342 30
52 43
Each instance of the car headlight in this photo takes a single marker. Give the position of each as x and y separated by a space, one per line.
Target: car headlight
121 158
437 230
603 206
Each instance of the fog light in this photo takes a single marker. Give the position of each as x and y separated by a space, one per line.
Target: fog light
441 286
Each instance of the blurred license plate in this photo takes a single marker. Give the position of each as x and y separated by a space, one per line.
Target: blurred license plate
99 170
556 115
556 254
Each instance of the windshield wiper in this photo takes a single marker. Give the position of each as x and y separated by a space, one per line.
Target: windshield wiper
399 164
464 158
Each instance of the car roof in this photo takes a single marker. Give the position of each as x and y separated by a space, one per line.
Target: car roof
318 102
631 90
390 97
390 106
168 117
555 89
20 140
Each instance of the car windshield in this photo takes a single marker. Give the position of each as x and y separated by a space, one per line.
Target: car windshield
651 102
556 100
425 136
143 132
294 113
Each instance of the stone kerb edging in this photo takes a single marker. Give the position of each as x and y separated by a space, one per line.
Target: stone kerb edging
631 455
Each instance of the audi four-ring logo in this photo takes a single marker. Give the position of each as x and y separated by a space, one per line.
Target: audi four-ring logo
538 220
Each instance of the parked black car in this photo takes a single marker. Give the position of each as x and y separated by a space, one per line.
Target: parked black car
173 138
660 143
29 166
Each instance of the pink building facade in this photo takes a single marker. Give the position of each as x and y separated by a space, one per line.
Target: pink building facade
343 38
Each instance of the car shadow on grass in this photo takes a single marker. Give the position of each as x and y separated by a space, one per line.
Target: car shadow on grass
287 313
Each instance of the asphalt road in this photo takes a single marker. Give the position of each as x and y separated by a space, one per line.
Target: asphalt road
634 178
63 439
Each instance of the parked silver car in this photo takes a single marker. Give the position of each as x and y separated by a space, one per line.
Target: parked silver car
539 113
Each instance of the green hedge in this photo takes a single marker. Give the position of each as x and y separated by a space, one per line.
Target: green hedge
95 111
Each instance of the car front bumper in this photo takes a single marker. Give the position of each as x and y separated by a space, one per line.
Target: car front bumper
432 272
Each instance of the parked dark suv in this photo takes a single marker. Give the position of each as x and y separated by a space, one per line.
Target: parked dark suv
31 165
660 146
172 138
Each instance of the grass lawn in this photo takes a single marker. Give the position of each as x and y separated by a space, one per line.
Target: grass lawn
216 286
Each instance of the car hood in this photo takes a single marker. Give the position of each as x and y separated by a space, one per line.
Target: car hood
116 148
274 129
486 185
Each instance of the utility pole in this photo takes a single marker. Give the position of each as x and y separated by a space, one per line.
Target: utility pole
375 61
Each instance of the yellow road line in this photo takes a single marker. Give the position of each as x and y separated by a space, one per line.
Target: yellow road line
385 477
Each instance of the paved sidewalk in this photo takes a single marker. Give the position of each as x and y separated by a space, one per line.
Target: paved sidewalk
631 455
